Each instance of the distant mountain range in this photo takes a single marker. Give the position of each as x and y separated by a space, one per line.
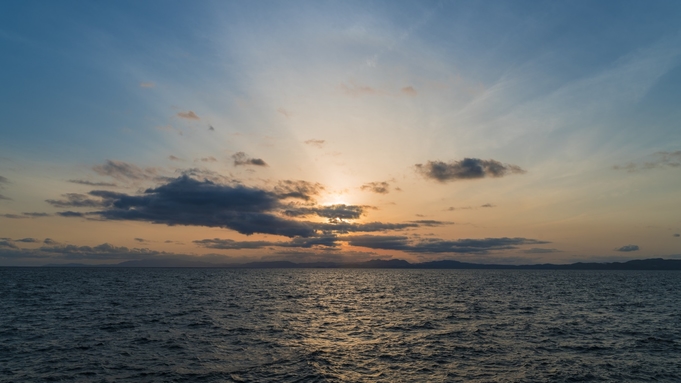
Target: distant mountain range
644 264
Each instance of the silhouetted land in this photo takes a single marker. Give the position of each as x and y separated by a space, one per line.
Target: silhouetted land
644 264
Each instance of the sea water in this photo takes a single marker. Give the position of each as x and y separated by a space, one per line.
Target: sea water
338 325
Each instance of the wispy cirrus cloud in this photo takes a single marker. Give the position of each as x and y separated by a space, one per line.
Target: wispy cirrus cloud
353 89
466 169
124 171
316 143
3 181
659 160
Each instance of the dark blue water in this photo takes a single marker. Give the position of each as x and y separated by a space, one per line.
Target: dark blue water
219 325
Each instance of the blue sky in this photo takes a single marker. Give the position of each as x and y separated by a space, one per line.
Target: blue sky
351 96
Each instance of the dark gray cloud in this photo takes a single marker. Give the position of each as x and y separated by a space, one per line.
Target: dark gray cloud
468 168
677 235
436 245
185 201
91 183
3 180
211 128
6 243
70 214
332 212
103 251
124 171
659 160
488 205
431 223
540 250
203 174
298 189
317 143
241 159
628 248
142 240
77 200
229 244
36 214
377 187
27 240
50 241
342 227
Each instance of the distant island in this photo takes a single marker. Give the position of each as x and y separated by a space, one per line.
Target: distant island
644 264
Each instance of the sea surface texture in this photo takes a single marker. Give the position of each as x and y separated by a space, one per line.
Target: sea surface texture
338 325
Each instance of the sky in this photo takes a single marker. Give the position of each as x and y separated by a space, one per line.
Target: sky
311 131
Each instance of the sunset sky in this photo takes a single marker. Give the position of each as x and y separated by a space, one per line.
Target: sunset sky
493 132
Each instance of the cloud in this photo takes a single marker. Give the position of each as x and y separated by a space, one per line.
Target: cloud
190 115
147 85
124 171
141 240
211 128
3 181
27 240
240 159
317 143
185 201
7 244
36 214
332 212
409 91
91 183
13 216
298 189
50 241
229 244
204 174
488 205
628 248
174 158
208 159
343 227
659 160
376 187
103 251
539 250
70 214
284 112
468 168
76 200
436 245
431 223
355 90
25 215
677 235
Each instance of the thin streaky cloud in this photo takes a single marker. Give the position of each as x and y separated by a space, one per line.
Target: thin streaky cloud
189 115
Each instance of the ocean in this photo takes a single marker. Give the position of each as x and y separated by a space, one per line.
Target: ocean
338 325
